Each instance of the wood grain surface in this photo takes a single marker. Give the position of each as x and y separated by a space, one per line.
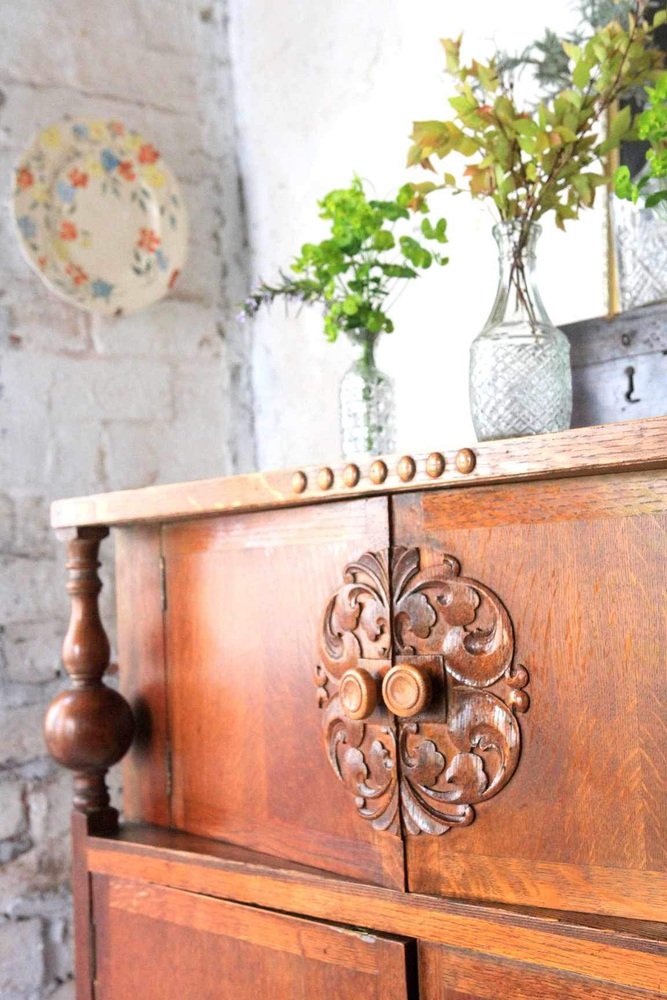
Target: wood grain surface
621 952
580 566
451 974
188 945
142 667
245 600
633 444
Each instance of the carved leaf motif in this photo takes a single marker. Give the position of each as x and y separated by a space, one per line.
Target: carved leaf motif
466 771
364 758
356 620
479 657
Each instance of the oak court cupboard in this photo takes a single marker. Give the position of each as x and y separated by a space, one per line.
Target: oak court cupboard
390 730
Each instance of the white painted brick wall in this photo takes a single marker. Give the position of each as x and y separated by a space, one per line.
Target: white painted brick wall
89 404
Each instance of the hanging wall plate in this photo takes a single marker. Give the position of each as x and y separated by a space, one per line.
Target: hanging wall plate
100 216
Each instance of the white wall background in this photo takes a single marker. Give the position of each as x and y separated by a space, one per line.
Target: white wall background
325 89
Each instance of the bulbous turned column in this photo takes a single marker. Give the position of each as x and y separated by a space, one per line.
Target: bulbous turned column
89 727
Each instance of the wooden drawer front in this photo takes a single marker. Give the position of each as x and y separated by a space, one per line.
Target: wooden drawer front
450 974
168 945
580 567
245 601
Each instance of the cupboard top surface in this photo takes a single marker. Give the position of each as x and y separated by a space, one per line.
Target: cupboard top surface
634 444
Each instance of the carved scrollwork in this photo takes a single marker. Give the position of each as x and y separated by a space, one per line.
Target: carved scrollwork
356 633
464 747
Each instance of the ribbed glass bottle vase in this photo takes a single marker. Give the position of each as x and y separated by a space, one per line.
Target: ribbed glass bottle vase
366 403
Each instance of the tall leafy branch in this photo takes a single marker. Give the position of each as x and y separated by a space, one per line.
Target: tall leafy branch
547 158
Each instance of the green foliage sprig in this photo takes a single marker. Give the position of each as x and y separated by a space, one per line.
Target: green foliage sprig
546 159
652 127
354 270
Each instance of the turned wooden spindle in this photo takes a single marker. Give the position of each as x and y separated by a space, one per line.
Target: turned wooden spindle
89 727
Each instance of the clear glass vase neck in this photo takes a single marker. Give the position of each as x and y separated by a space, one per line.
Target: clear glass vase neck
363 348
518 301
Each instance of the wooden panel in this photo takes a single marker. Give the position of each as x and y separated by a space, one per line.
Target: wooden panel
635 444
450 974
580 566
622 952
186 945
142 672
246 597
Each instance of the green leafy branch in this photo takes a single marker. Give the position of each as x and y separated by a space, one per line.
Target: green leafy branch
353 272
651 126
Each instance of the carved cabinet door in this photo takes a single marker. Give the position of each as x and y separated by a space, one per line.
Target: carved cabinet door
167 944
533 613
256 650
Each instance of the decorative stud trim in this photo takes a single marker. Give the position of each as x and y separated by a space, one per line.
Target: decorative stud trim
435 464
351 475
406 468
465 460
378 472
325 478
299 482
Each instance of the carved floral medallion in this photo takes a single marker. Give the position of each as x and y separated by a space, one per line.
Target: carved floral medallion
419 706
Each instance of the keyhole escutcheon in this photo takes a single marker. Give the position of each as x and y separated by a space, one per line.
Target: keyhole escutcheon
631 398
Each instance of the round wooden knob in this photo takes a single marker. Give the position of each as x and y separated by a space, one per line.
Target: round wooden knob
358 693
406 690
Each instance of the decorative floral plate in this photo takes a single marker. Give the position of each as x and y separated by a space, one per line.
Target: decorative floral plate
100 216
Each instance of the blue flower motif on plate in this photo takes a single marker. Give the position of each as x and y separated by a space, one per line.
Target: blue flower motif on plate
81 131
66 192
109 160
101 289
27 226
161 260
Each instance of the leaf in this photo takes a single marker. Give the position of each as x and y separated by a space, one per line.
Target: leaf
439 232
572 51
581 75
620 125
525 126
452 47
655 198
397 271
463 104
384 240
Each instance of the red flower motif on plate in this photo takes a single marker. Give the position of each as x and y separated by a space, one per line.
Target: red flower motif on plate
77 274
126 170
148 153
68 230
78 178
24 178
148 240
